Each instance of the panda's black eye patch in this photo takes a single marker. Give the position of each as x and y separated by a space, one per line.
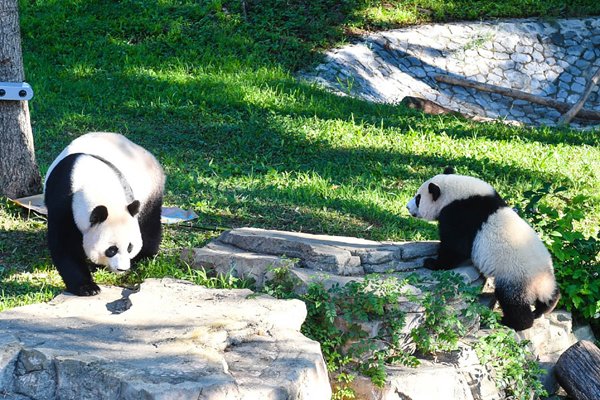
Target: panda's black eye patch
418 200
111 251
129 248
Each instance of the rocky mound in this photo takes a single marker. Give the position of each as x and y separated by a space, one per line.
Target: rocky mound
169 340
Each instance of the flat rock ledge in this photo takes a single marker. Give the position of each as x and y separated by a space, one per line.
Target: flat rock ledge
254 253
169 340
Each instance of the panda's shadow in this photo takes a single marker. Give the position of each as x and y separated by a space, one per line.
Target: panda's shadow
121 305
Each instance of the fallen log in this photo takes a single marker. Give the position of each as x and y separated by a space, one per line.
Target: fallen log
569 115
517 94
578 371
427 106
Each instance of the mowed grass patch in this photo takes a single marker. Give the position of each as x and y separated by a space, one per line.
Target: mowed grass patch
211 91
393 14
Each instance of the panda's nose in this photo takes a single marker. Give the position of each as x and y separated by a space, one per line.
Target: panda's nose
119 264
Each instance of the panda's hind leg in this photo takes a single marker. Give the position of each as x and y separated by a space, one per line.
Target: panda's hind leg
515 307
542 308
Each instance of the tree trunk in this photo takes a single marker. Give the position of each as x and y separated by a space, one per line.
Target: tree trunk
569 115
19 174
578 371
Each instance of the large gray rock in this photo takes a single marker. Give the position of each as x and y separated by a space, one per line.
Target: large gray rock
253 252
169 340
549 337
315 251
226 259
249 252
431 381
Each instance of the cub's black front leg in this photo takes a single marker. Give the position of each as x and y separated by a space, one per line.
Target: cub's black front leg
446 259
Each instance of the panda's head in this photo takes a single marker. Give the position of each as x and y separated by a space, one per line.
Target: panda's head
113 237
443 189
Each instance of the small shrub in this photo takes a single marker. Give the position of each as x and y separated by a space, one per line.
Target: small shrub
282 283
443 325
516 372
575 254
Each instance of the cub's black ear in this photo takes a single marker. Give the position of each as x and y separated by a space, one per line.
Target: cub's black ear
449 170
98 215
134 208
435 191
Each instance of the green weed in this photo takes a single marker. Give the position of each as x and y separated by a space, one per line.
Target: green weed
516 371
575 248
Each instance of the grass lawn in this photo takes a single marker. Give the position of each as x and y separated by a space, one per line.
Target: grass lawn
209 88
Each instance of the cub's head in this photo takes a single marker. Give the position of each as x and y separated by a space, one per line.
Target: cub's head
443 189
113 237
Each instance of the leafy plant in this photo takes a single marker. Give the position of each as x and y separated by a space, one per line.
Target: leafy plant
340 319
444 322
515 370
282 283
576 254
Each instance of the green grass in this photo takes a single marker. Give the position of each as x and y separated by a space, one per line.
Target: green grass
212 92
391 14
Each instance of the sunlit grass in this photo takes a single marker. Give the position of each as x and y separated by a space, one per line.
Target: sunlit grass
19 288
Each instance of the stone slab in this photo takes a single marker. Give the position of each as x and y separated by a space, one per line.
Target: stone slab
315 251
225 259
348 256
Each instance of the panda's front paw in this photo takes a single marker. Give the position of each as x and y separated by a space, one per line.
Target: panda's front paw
431 263
87 289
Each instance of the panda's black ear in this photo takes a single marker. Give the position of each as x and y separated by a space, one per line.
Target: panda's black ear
134 208
449 170
435 191
98 215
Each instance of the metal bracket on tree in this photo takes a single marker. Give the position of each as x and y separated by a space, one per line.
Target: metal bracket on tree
15 91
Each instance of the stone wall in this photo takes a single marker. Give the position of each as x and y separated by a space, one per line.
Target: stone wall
542 57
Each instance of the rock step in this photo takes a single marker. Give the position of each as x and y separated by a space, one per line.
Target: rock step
254 253
338 254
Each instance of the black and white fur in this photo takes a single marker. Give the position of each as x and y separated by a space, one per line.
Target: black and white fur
475 222
104 197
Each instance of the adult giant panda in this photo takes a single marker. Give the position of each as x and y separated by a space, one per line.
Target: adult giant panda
475 222
104 196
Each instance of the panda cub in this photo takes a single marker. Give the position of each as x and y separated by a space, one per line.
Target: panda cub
475 222
104 197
